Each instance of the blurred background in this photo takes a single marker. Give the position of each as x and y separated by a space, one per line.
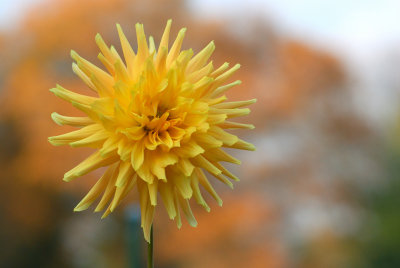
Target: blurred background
322 189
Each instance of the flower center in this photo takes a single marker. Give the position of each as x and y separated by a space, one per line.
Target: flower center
159 130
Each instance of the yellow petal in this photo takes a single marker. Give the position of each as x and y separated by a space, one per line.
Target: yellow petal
83 76
212 101
76 135
219 90
121 74
102 88
122 93
189 149
201 58
201 87
225 137
147 210
215 119
104 48
116 55
228 124
226 75
178 214
71 121
152 46
224 180
176 47
183 60
161 61
96 190
70 96
110 190
206 184
91 163
220 70
153 192
226 172
242 145
217 154
95 140
166 139
234 104
185 166
207 141
137 157
134 133
109 147
187 211
129 54
103 106
125 149
165 37
176 133
231 112
90 69
109 66
197 75
148 222
182 183
125 172
167 196
86 109
160 160
197 193
144 172
122 192
143 199
143 50
201 161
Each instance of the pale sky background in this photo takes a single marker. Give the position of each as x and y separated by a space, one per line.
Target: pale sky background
352 25
12 11
364 34
356 26
360 32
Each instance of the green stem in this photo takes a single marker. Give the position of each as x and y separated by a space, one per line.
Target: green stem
150 263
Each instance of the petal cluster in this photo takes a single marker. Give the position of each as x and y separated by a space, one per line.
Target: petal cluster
158 122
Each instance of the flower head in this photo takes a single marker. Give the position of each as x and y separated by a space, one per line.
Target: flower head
158 122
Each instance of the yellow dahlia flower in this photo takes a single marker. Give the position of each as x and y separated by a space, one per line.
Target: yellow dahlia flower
159 120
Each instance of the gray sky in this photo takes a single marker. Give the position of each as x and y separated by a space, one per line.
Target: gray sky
356 26
364 34
12 11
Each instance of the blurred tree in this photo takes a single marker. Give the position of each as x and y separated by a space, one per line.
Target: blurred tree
380 236
303 101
